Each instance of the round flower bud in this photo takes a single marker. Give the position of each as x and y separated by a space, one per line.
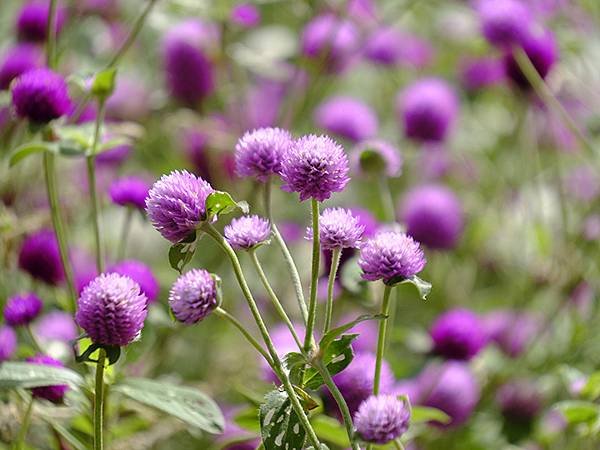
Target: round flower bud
112 310
18 60
32 20
428 109
519 400
347 117
40 95
176 204
504 22
54 394
245 15
40 257
389 46
246 232
141 274
259 152
376 157
8 343
390 256
22 309
315 167
433 216
193 296
381 419
458 334
338 229
56 326
129 191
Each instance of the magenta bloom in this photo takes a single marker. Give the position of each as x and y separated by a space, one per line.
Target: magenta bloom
8 343
112 310
129 191
141 274
390 256
247 232
377 157
40 95
17 60
519 400
512 331
54 394
458 334
245 15
40 257
56 326
480 73
193 296
32 20
114 156
259 152
504 22
389 46
176 204
338 229
433 216
428 109
347 117
22 309
381 419
315 167
542 50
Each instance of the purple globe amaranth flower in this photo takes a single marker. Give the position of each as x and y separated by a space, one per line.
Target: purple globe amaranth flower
330 37
315 167
17 60
347 117
54 394
8 343
338 229
112 310
512 331
381 419
504 22
141 274
188 69
129 191
22 309
390 256
247 232
433 216
480 73
32 20
389 46
193 296
428 109
541 49
40 257
245 15
376 157
519 400
114 156
40 95
56 326
259 153
458 334
176 204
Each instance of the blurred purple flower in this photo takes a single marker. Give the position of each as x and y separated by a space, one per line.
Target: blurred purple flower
458 334
512 331
390 46
17 60
583 184
129 101
376 157
480 73
114 156
8 343
504 22
196 148
40 95
32 20
519 400
129 191
246 15
56 326
40 257
347 117
141 274
591 227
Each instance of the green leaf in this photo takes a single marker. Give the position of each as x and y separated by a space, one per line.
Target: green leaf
28 149
330 430
295 363
335 357
279 424
185 403
67 435
427 414
71 148
25 375
591 390
181 254
335 332
220 202
423 287
248 419
578 411
104 83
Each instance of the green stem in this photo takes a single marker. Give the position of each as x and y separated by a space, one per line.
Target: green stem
316 257
34 341
335 263
236 323
20 442
385 306
99 401
121 251
274 299
287 256
397 444
277 365
51 34
385 193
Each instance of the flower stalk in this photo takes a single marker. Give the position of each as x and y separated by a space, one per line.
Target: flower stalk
99 401
316 259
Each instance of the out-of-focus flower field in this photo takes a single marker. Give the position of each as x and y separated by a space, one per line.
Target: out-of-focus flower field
290 224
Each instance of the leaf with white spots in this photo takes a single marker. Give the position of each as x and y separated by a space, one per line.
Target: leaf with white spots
336 357
280 427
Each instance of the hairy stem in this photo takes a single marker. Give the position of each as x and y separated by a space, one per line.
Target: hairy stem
316 259
385 307
99 401
335 263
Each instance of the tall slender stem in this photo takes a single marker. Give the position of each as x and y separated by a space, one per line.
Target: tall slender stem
99 401
287 256
385 306
316 259
122 250
34 341
277 365
385 193
274 299
20 442
335 263
51 34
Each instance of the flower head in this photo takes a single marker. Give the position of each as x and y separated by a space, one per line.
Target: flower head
519 400
480 73
54 394
56 326
141 274
176 204
40 257
246 232
246 15
112 310
129 191
40 95
389 46
347 117
512 331
315 167
504 22
259 152
21 310
19 59
8 343
32 20
193 296
390 255
458 334
377 157
338 229
381 419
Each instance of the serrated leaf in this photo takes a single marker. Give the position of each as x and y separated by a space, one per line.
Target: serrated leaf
104 83
336 357
181 254
578 411
28 149
280 427
220 202
26 375
427 414
186 403
331 335
423 287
